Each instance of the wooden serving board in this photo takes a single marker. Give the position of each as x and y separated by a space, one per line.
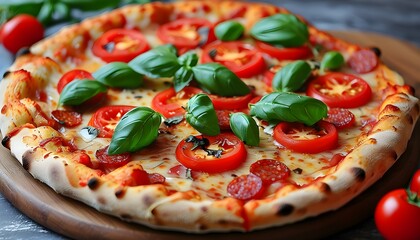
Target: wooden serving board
76 220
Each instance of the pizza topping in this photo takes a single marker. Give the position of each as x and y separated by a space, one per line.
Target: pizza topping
363 61
270 170
108 162
241 58
118 75
72 75
201 115
231 153
79 91
105 119
120 45
170 103
289 107
137 129
340 90
183 172
231 103
281 29
341 118
173 121
291 77
88 133
300 138
184 75
284 53
67 118
245 128
246 187
331 61
229 30
59 144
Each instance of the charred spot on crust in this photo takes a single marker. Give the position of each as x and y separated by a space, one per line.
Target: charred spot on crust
126 216
377 51
55 173
23 51
285 209
5 74
93 183
394 155
119 193
6 142
358 173
27 160
324 187
102 200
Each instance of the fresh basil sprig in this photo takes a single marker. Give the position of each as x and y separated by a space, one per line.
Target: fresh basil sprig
79 91
137 129
332 60
229 30
292 76
217 79
245 128
202 116
284 30
118 75
157 62
289 107
184 75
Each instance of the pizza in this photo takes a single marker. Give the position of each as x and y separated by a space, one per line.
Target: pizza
205 116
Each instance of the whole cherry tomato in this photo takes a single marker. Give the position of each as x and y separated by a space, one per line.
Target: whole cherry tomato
415 183
397 215
21 31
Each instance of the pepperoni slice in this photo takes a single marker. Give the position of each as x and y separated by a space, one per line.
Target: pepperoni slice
156 178
363 61
340 117
111 162
223 116
270 170
67 118
246 187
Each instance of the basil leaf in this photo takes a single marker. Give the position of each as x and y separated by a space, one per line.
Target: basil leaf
202 116
90 5
245 128
289 107
217 79
11 8
188 59
137 129
119 75
155 63
46 12
79 91
332 60
182 78
229 30
292 76
281 29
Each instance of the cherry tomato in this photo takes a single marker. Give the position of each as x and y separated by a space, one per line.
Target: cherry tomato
341 118
415 183
293 53
120 45
231 103
106 119
67 118
21 31
300 138
185 34
270 170
111 162
363 61
340 90
246 187
169 103
396 217
241 58
232 155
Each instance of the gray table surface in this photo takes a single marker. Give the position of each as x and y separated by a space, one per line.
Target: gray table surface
396 18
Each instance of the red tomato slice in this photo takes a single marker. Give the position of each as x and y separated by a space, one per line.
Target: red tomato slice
270 170
363 61
184 33
106 119
183 172
340 90
169 103
269 75
233 154
111 162
293 53
301 138
241 58
341 118
246 187
231 103
67 118
120 45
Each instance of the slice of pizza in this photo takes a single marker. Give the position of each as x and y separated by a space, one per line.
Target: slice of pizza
205 116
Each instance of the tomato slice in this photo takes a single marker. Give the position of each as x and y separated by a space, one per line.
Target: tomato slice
185 34
340 117
269 75
231 103
67 118
120 45
241 58
246 187
292 53
106 119
169 103
301 138
111 162
340 90
270 170
363 61
197 158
